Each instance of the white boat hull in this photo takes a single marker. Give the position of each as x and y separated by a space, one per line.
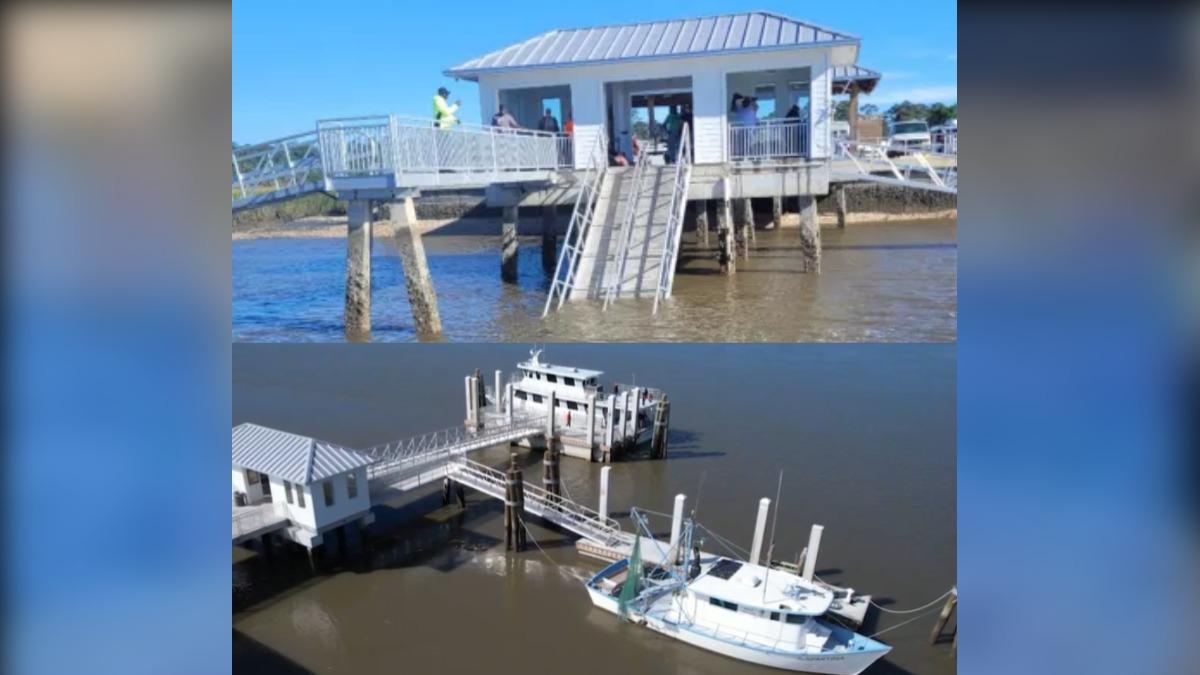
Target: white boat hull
833 663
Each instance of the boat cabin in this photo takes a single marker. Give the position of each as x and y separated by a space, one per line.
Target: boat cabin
624 80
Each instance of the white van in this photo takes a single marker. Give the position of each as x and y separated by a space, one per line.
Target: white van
907 136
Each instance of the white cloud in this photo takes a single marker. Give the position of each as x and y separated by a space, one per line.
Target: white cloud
937 94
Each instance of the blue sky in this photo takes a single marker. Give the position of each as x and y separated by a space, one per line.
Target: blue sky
296 62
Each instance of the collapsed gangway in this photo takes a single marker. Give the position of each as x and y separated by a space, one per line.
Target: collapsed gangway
868 161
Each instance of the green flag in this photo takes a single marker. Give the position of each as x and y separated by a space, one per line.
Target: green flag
633 577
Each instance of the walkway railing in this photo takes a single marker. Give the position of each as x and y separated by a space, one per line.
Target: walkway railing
871 162
408 146
286 166
581 223
768 139
670 252
251 519
398 457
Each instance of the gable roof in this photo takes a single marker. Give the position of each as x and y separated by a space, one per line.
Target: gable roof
702 36
291 457
863 78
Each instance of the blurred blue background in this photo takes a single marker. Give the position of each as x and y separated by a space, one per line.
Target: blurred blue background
1078 314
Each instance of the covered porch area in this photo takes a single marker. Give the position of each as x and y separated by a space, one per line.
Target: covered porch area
776 124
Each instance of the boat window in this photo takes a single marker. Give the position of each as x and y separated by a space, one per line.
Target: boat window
551 378
569 381
722 603
725 568
537 398
572 405
521 395
796 618
774 616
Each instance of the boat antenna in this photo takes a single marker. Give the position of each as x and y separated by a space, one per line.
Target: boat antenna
699 487
771 547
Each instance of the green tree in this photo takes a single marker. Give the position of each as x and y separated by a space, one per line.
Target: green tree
869 109
907 110
842 111
939 113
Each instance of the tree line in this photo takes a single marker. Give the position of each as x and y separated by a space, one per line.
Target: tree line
934 114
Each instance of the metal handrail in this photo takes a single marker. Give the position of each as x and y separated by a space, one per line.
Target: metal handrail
614 287
769 139
679 190
391 458
581 220
255 519
866 158
288 163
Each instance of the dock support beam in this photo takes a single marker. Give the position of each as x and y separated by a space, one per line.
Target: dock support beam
591 422
357 314
499 394
810 234
603 510
508 396
550 473
549 238
760 528
702 222
610 431
508 244
840 197
748 235
514 505
776 212
814 546
677 524
421 295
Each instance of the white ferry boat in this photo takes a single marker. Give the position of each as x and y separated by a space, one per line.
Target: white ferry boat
744 611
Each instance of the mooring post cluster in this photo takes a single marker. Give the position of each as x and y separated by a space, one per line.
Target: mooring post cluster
514 505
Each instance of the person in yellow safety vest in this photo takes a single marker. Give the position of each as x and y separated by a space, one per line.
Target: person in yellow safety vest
443 113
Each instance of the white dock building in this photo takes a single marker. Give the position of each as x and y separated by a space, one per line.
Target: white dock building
297 486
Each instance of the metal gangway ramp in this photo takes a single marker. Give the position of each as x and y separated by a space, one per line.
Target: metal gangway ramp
394 154
869 161
412 462
565 513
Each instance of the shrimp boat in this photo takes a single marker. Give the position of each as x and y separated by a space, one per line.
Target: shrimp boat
741 610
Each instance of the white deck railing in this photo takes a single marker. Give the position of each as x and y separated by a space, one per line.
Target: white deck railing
768 139
371 146
289 165
251 519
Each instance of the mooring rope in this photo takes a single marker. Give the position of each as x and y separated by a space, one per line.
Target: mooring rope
902 623
881 608
521 520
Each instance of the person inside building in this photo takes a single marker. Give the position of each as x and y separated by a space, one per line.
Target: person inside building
504 119
569 126
793 117
686 120
548 123
673 125
443 112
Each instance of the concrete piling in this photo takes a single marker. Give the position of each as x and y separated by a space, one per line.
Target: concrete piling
810 234
357 314
776 212
422 298
727 244
840 199
604 476
677 522
748 236
810 556
498 391
702 222
508 244
658 438
760 528
549 238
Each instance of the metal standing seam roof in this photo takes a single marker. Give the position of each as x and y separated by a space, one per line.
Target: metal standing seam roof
745 31
294 458
865 78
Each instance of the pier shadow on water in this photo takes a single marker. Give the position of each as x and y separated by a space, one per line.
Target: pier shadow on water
253 656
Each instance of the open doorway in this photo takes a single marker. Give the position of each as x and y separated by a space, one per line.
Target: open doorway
638 109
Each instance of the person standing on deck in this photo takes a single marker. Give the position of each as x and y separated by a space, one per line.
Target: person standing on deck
504 119
443 112
673 124
548 123
569 126
686 120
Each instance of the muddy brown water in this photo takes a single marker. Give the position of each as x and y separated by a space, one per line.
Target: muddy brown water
864 435
879 282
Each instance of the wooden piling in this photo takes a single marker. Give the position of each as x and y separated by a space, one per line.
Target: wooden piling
840 198
549 238
357 312
550 481
944 618
514 506
508 244
422 298
658 439
810 234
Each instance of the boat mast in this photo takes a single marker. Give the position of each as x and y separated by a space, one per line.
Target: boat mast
771 547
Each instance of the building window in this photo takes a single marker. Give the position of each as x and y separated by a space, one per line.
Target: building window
521 395
351 485
572 405
569 381
550 378
537 398
252 477
327 487
287 489
300 496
